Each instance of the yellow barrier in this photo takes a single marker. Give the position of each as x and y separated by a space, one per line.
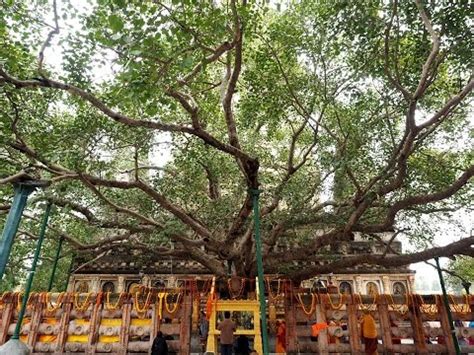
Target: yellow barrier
250 306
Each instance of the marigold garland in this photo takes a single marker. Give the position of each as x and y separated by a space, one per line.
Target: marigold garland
205 288
146 305
241 290
429 310
50 307
160 305
270 294
313 304
175 304
20 300
464 308
399 308
341 302
85 304
112 307
370 306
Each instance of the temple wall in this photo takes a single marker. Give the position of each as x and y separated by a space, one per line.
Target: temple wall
123 323
397 283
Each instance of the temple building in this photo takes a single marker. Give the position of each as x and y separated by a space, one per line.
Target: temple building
125 269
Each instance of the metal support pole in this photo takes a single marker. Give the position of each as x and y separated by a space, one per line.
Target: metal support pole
448 310
16 334
55 264
467 286
22 191
71 266
258 246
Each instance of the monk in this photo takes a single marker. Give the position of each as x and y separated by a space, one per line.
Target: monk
369 333
281 337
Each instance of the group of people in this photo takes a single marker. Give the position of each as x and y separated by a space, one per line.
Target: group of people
368 332
242 345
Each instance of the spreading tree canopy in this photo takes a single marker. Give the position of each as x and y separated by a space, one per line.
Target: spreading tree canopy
153 122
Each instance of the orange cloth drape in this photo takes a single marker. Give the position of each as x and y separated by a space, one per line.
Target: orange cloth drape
317 327
212 298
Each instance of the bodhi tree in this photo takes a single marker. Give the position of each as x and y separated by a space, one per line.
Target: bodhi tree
153 122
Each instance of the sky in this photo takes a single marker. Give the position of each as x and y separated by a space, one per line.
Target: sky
448 232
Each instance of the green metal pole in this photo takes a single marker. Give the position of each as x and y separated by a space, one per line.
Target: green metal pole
16 334
448 310
69 272
22 191
258 245
55 264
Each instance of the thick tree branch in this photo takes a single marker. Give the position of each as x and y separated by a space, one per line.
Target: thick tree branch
449 106
48 38
121 118
464 246
177 211
115 206
21 175
425 75
418 200
395 82
93 220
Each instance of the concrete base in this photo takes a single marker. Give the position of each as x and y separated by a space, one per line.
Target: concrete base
14 347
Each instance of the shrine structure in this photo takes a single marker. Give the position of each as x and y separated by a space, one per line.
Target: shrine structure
117 304
126 268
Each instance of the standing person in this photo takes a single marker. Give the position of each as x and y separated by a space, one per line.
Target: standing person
369 333
281 337
159 346
227 328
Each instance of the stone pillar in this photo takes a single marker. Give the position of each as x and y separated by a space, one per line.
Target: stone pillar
146 281
121 284
411 283
71 283
95 284
386 284
358 285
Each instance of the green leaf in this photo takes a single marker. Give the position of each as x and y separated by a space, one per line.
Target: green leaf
120 3
116 23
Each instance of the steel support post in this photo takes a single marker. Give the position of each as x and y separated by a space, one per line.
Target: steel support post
22 191
448 309
71 266
258 247
31 275
55 264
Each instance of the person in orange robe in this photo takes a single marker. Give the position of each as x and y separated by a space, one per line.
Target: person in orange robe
369 333
281 337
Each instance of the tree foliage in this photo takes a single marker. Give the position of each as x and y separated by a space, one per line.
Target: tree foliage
154 121
462 271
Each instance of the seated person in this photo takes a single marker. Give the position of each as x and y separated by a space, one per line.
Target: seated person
242 346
